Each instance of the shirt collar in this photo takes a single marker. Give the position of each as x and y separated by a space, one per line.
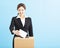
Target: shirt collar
19 16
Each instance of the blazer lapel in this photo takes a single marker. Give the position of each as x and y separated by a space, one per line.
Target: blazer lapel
18 21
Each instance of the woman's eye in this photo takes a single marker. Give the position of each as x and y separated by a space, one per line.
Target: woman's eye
19 10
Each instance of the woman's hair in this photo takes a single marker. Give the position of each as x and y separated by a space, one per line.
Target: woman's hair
21 5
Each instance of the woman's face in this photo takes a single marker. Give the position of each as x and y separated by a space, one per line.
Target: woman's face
21 10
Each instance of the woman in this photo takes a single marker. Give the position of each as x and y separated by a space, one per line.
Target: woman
21 22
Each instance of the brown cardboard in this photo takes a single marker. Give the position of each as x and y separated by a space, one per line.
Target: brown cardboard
24 42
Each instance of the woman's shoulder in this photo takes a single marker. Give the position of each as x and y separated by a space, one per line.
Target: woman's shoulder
27 17
14 17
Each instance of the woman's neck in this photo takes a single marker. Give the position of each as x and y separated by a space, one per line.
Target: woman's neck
22 16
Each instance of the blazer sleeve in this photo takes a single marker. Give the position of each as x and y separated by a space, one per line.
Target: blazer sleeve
30 28
12 25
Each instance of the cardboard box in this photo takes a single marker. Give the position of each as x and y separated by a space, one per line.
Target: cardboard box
24 42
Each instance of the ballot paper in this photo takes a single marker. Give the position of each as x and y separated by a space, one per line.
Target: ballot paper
22 33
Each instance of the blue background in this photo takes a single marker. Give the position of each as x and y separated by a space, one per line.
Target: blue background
45 16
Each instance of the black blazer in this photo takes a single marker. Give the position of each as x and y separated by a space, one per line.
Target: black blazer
16 24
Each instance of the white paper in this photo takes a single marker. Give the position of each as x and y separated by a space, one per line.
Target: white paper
22 33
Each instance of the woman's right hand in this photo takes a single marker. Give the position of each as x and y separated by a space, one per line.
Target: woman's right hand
16 32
